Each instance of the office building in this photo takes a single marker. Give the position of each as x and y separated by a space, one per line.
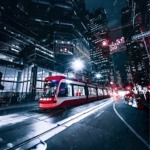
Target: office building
39 38
98 35
134 22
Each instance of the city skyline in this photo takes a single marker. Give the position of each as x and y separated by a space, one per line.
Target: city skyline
113 10
55 32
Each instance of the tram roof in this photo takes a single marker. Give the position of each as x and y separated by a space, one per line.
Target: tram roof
60 77
57 77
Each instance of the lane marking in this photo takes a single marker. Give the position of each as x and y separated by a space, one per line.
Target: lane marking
85 112
98 114
62 125
132 130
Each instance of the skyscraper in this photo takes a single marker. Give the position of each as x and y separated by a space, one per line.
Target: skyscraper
135 21
98 37
39 38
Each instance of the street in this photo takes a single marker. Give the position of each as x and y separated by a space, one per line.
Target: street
106 130
105 124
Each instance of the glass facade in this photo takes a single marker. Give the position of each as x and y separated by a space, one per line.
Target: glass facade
21 81
52 39
9 79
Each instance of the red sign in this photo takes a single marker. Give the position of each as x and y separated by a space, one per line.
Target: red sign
118 45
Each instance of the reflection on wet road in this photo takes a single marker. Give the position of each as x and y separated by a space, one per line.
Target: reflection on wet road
25 125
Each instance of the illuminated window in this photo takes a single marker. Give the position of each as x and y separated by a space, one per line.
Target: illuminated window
79 90
92 91
100 92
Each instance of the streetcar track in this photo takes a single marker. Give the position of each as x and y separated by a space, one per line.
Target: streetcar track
36 117
60 126
26 124
15 128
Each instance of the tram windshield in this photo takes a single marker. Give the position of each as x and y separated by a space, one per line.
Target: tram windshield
50 88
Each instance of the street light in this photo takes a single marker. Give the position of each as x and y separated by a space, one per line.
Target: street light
111 83
77 65
98 75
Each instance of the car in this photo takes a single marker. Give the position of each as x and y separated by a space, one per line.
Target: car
129 97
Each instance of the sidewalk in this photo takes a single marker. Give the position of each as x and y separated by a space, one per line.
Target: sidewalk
19 105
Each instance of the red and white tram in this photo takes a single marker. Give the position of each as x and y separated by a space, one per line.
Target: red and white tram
60 91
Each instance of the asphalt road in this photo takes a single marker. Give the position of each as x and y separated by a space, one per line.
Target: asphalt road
100 125
115 127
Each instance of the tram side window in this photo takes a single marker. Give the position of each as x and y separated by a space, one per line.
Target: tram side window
92 91
105 92
100 92
69 90
79 90
108 91
63 90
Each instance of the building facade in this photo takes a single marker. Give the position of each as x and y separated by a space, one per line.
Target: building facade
39 38
134 22
98 33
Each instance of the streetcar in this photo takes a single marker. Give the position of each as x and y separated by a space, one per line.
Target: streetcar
60 91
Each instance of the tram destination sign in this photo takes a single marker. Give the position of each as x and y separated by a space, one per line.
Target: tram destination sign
141 35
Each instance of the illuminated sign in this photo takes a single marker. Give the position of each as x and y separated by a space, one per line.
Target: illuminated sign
118 45
141 35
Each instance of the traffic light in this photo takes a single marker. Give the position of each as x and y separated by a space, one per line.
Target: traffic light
105 48
148 86
105 43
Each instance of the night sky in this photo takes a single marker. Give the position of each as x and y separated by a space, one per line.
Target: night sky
112 7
